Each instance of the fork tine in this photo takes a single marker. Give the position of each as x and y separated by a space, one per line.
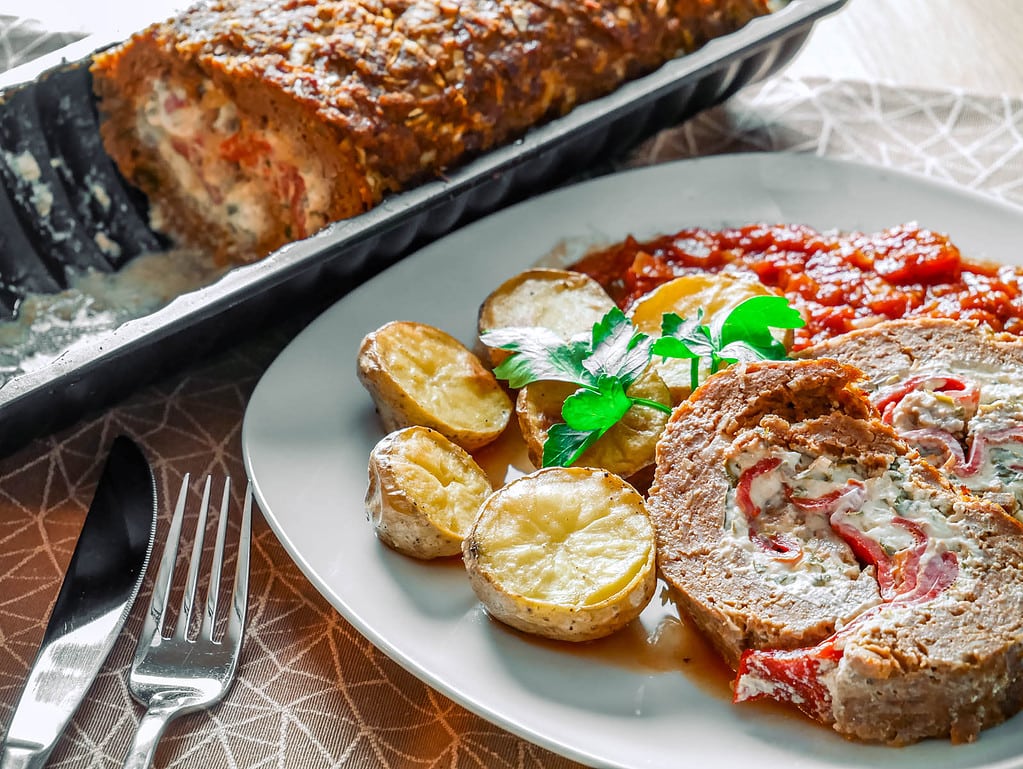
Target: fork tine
240 597
153 623
188 599
213 589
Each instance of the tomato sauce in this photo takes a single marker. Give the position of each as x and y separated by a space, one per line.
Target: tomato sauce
838 281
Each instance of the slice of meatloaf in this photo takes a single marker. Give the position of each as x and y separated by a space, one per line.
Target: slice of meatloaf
831 565
728 575
952 389
250 123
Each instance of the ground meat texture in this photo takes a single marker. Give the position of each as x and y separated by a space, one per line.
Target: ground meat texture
954 390
917 631
716 584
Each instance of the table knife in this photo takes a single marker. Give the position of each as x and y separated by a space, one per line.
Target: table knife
102 580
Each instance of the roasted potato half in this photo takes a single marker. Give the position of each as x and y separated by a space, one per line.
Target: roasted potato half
424 492
565 552
625 449
420 375
567 303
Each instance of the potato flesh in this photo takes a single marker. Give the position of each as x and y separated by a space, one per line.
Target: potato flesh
444 487
625 449
569 540
424 492
438 375
714 293
420 375
567 303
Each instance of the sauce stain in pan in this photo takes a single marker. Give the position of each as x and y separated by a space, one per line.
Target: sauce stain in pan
48 324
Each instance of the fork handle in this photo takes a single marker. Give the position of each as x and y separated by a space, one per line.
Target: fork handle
143 747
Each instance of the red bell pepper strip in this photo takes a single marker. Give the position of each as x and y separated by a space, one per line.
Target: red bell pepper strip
869 551
795 676
979 446
906 564
895 575
961 390
852 495
174 102
743 489
933 436
937 576
825 503
963 465
780 546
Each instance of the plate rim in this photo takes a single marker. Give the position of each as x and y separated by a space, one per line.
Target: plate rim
364 626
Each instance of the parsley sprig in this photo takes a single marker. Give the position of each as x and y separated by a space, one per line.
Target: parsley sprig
744 334
604 364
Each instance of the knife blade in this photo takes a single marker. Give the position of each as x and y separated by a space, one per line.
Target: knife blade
102 580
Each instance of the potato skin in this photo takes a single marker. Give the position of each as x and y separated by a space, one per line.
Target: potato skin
566 302
562 619
424 492
420 375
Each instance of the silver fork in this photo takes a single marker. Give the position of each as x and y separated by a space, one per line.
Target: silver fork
179 674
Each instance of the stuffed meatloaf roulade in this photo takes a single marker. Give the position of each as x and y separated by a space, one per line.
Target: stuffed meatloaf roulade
833 567
953 389
250 124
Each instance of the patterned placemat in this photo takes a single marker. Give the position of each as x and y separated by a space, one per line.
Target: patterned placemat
973 141
311 691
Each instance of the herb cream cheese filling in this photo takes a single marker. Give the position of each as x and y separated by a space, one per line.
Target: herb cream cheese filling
966 420
807 521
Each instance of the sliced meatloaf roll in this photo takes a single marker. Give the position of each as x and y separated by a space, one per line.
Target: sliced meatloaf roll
952 389
833 567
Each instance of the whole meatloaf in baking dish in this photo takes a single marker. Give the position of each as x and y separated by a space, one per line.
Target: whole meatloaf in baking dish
832 566
250 124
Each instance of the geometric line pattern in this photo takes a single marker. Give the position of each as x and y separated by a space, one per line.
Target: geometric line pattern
22 40
310 690
973 141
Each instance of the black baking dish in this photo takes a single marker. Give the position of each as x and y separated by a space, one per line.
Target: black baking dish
52 116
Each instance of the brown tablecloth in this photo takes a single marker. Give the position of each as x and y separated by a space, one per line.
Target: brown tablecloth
311 692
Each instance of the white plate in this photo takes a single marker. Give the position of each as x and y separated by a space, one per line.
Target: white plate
310 427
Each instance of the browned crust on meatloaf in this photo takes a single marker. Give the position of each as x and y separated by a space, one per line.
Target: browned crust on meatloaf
946 665
687 503
122 77
392 91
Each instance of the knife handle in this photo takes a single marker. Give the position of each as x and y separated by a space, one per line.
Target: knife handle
19 755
